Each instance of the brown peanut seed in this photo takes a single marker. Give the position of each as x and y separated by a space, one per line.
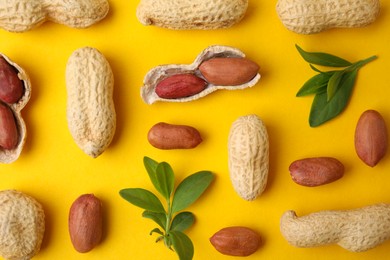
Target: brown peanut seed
8 130
168 136
316 171
228 71
371 137
179 86
11 87
85 223
236 241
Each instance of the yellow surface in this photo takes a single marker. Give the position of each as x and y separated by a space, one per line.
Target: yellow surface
55 171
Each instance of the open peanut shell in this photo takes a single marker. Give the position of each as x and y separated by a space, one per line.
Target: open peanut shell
157 74
9 156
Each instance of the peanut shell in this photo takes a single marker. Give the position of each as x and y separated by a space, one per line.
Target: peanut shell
10 155
314 16
22 222
155 75
191 14
90 106
248 154
24 15
355 230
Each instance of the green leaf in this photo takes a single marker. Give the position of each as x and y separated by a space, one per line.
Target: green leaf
182 244
323 59
142 198
334 83
166 179
323 110
159 218
151 167
156 230
190 189
182 221
314 85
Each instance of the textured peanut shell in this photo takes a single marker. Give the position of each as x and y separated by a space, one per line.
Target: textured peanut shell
191 14
9 156
356 230
24 15
155 75
248 156
314 16
22 225
90 106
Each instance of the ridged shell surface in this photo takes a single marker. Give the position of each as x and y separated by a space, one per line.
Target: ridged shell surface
77 13
22 225
90 106
191 14
21 15
356 230
9 156
314 16
248 154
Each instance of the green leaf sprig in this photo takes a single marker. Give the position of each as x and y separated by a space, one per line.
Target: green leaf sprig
171 219
332 89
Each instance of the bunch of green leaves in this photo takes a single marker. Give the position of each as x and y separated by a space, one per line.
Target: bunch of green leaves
333 88
171 219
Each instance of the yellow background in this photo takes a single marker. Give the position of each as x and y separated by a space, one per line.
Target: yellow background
55 171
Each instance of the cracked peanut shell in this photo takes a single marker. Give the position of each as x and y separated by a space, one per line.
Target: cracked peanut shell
11 155
159 73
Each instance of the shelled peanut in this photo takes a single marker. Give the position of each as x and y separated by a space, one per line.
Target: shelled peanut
90 106
169 136
86 222
316 171
15 91
216 67
371 137
24 15
314 16
236 241
191 14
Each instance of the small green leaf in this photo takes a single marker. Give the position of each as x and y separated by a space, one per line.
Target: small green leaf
182 221
159 218
333 83
156 230
182 244
166 179
190 189
323 59
314 85
142 198
151 167
323 110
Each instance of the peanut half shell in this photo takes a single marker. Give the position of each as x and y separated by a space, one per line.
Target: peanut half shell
159 73
10 155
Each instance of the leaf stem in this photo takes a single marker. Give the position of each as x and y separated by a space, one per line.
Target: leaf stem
169 216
